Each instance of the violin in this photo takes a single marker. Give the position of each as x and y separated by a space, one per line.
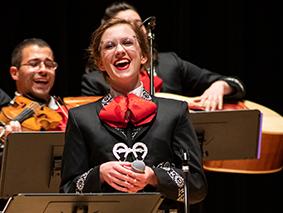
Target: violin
32 115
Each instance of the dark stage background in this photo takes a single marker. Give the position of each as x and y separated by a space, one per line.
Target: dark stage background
240 38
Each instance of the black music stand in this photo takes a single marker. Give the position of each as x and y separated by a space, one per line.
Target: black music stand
228 134
84 203
31 163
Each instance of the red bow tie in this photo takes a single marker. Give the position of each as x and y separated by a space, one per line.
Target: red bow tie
124 109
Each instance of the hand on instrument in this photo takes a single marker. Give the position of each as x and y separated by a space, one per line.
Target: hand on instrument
13 126
212 98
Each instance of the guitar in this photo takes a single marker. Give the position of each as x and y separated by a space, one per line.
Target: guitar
271 155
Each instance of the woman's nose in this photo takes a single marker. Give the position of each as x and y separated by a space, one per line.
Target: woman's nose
120 49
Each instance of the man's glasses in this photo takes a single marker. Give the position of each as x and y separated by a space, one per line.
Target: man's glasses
36 64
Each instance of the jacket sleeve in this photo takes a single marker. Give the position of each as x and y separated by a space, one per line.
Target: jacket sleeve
191 80
170 175
77 175
201 79
4 98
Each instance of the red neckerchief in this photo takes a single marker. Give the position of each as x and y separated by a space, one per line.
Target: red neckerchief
62 125
124 109
146 81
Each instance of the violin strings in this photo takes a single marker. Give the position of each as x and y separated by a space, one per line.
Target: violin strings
27 112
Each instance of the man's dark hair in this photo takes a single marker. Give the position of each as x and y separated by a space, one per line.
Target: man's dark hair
16 58
115 8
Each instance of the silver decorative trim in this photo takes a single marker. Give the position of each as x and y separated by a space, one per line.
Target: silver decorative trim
81 181
138 147
236 81
179 180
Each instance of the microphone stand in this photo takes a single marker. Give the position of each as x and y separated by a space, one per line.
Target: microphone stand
149 24
185 169
151 71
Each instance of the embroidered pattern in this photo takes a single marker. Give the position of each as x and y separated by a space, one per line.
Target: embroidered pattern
81 181
134 132
108 98
146 95
181 194
121 151
178 179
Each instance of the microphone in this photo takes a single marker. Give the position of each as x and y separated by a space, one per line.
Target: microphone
150 22
138 166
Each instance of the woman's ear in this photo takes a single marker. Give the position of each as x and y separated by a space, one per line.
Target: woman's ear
143 60
14 72
101 66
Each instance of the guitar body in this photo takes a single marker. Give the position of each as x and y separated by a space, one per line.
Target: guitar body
271 158
271 155
71 102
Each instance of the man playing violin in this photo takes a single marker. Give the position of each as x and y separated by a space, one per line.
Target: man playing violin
33 68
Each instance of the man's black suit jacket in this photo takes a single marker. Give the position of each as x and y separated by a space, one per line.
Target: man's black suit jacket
4 98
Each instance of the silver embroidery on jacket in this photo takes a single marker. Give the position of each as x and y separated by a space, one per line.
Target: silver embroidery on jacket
121 151
178 179
81 182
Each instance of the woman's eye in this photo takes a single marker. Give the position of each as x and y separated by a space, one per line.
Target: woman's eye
109 45
128 42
